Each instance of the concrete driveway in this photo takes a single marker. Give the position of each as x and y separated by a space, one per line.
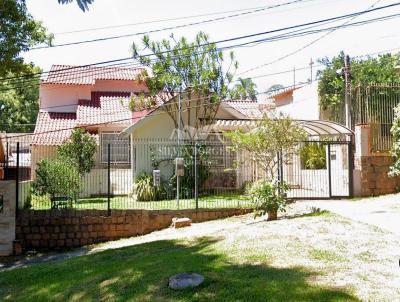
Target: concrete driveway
383 211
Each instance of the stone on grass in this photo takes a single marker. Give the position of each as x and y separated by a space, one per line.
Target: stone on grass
185 280
181 222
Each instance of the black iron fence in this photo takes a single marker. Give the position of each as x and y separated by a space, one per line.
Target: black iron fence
372 104
125 179
145 175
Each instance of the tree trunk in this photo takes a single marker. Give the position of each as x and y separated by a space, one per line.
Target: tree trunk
273 215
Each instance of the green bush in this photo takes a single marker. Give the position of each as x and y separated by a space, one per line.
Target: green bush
57 178
268 197
313 156
187 181
143 189
79 150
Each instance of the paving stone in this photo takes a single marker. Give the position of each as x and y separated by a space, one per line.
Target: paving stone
184 280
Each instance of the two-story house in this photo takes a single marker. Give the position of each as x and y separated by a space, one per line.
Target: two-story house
97 99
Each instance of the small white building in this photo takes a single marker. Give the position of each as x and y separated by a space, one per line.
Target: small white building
300 103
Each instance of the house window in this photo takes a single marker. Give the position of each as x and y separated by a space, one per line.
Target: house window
119 146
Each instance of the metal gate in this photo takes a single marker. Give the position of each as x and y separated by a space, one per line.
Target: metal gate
321 169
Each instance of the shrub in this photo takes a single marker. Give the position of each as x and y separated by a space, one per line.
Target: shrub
57 178
79 150
313 156
143 189
268 197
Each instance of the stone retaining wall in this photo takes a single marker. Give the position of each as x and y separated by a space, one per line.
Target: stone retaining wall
56 229
374 176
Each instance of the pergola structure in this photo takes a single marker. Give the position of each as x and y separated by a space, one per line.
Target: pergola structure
314 128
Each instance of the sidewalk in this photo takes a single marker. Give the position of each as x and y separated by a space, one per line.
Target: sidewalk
383 211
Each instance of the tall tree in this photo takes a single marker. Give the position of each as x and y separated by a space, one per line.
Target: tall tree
19 32
244 89
197 71
19 101
382 69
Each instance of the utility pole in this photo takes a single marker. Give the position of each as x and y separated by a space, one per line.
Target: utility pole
311 70
347 91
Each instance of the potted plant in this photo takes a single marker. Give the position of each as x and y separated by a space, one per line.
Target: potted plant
268 198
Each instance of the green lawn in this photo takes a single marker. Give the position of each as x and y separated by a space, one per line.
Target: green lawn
140 273
125 202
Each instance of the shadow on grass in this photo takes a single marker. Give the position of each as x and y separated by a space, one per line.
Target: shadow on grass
140 273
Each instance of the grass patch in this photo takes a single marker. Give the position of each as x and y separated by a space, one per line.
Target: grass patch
227 200
326 256
140 273
316 212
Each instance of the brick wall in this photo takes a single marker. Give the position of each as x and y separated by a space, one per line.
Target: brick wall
374 178
55 229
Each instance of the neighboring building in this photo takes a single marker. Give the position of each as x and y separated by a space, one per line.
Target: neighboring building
299 103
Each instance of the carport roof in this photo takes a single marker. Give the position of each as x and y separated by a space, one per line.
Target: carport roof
312 127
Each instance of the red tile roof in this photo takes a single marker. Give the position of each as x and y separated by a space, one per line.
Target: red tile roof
111 108
87 75
48 122
248 108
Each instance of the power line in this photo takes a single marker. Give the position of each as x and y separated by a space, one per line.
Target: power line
306 45
241 37
228 40
269 39
171 27
163 20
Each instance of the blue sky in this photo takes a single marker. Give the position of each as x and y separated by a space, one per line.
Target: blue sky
355 41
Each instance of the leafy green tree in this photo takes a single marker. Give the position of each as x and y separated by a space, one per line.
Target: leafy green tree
19 102
275 133
363 71
195 70
83 4
19 32
245 89
79 150
57 178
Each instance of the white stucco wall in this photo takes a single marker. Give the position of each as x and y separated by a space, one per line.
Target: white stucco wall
304 105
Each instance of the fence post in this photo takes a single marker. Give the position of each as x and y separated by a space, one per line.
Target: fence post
108 179
17 183
329 171
196 191
351 167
